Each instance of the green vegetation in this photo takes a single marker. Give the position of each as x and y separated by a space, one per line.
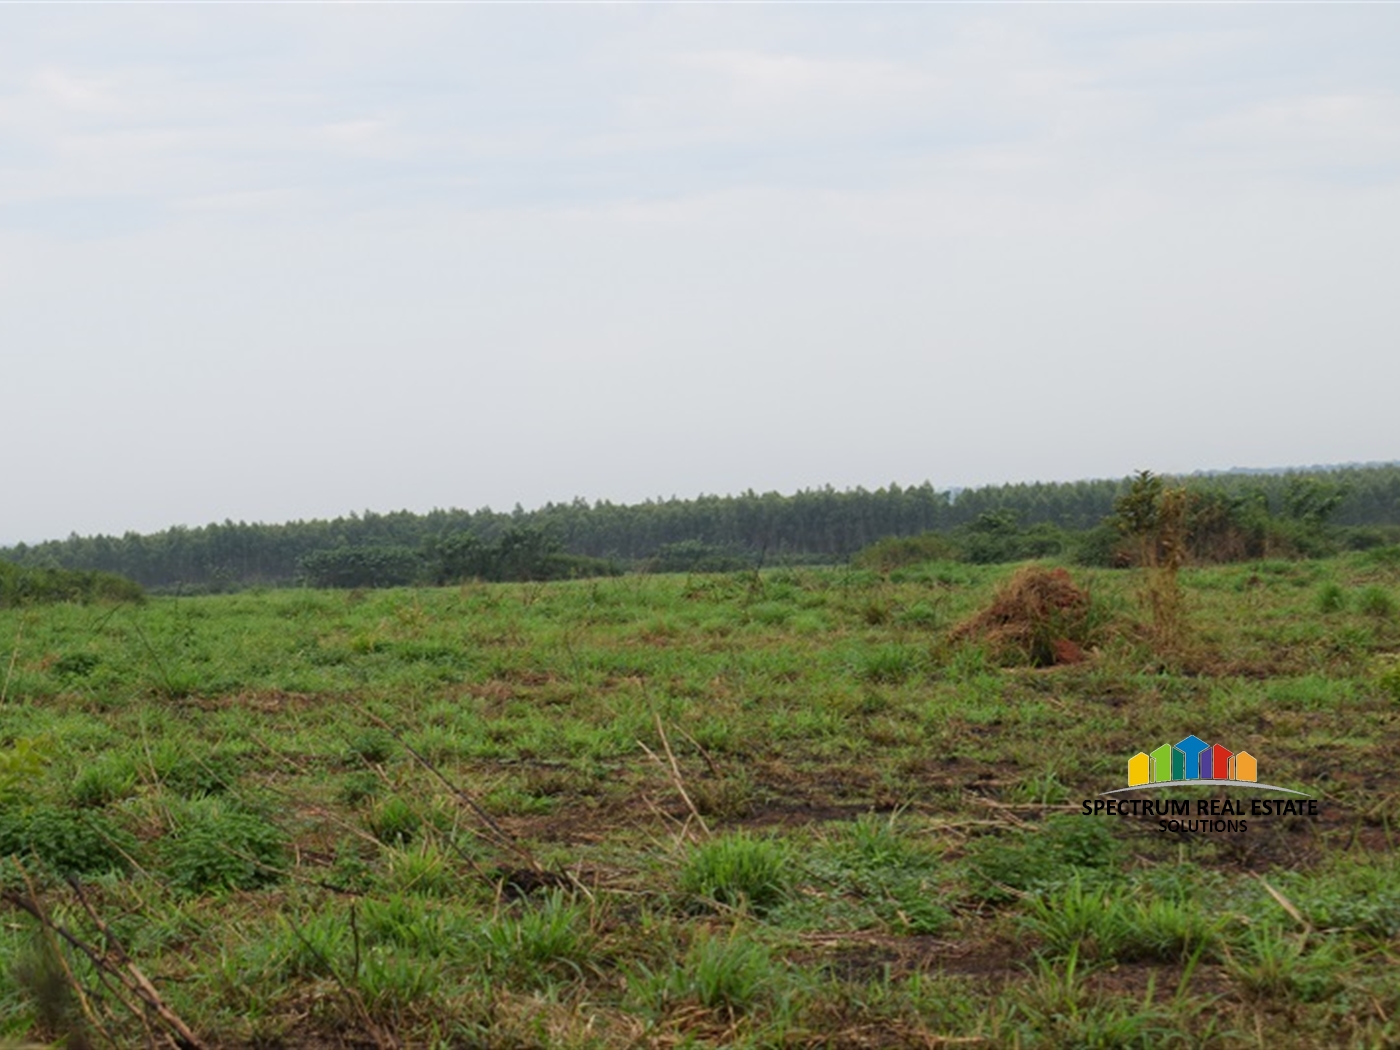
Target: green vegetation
791 806
1230 517
33 586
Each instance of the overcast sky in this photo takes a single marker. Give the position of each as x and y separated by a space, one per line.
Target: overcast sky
274 262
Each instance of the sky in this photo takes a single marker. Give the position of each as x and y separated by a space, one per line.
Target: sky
269 262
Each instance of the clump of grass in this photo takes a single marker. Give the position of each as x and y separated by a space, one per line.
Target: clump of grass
1375 601
1389 679
1273 964
728 797
1091 922
738 870
1167 930
1331 598
425 871
542 943
888 663
1077 919
371 745
192 775
732 973
394 822
1061 1008
358 786
108 779
894 874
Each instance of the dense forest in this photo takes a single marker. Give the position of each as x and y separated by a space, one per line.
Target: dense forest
706 532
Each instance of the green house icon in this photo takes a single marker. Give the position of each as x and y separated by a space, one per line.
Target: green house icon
1168 763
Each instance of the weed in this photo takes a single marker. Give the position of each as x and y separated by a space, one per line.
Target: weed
219 845
78 842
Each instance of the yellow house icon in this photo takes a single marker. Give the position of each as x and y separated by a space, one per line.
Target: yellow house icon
1139 769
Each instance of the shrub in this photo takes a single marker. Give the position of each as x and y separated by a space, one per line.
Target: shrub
897 551
70 842
361 567
697 556
218 845
20 585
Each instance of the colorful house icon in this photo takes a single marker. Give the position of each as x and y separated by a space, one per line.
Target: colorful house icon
1191 749
1191 759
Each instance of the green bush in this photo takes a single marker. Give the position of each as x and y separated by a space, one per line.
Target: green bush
220 845
897 551
361 567
20 585
697 556
69 842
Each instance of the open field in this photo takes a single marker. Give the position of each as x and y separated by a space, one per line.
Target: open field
777 809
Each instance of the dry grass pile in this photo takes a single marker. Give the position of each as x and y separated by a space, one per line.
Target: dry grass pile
1038 613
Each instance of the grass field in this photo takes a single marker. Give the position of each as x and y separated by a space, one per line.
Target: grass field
784 809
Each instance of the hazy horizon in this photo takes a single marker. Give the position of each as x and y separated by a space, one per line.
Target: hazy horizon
270 263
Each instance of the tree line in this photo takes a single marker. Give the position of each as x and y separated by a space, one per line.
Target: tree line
993 522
